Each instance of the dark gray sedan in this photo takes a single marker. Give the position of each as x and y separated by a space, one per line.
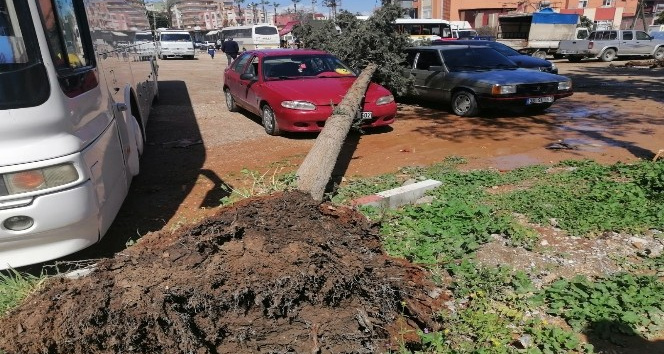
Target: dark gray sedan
474 77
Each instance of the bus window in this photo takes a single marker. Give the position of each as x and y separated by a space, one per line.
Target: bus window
266 30
67 49
23 80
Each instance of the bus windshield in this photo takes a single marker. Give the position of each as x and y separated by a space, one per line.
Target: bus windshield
176 37
23 80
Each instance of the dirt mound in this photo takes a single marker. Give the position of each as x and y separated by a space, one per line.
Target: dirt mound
277 274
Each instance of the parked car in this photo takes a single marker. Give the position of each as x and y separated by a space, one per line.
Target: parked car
475 77
522 60
296 90
609 44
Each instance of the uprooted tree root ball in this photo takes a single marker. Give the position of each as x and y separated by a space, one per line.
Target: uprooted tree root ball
275 274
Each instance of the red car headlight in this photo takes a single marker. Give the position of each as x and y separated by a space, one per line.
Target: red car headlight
299 105
384 100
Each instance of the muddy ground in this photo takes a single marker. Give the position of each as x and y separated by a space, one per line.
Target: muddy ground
280 273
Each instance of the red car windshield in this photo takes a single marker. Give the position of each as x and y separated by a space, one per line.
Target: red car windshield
312 65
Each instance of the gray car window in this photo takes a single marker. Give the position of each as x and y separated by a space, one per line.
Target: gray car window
628 36
640 35
410 59
428 58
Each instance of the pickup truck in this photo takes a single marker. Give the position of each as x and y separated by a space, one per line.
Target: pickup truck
609 44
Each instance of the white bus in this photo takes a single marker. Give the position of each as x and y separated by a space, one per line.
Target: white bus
258 36
73 111
424 29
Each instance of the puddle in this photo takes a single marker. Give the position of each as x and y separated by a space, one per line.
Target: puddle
510 162
575 111
592 145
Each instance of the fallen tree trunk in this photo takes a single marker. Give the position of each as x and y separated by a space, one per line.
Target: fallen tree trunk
316 169
652 63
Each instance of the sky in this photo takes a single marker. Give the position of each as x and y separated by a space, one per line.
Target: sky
364 7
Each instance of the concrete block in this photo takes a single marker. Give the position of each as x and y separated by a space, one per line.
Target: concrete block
397 197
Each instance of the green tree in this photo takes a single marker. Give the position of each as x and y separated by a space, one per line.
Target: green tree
158 20
362 42
169 11
587 23
660 19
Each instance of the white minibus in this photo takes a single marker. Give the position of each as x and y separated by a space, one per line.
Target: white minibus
258 36
73 112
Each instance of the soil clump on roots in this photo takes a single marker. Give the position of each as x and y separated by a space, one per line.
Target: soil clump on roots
275 274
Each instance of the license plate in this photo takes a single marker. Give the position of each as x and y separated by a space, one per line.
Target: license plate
366 115
536 100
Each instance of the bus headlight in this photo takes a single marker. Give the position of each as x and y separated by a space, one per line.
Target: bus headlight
40 178
503 89
299 105
384 100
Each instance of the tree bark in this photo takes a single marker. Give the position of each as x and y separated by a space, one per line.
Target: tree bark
316 169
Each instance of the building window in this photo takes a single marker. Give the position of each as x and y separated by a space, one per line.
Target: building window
583 4
607 3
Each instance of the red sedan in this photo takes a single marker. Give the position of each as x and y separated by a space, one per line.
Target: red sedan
296 90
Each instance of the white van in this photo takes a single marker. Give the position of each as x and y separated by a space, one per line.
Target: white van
175 44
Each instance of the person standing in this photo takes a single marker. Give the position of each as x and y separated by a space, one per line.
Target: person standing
211 51
231 49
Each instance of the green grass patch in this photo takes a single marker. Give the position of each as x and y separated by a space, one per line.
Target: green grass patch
15 287
623 303
589 198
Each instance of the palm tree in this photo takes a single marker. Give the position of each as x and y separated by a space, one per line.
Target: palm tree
254 13
275 5
295 4
263 3
239 9
332 4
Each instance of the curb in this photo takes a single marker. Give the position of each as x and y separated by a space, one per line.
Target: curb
399 196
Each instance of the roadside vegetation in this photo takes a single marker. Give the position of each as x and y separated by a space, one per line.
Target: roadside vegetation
502 309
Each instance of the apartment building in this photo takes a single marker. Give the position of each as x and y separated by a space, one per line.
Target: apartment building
480 13
213 14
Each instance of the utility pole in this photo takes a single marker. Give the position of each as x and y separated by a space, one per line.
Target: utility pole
639 13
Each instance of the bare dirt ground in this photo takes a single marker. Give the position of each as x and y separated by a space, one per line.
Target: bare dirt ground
196 254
